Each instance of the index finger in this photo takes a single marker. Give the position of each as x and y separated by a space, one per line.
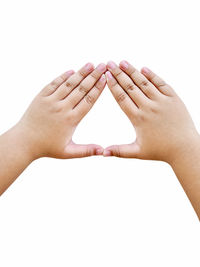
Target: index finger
73 81
86 85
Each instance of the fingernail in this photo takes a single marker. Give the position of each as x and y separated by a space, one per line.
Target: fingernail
107 153
89 67
146 70
102 79
69 72
99 151
124 64
109 75
111 65
101 67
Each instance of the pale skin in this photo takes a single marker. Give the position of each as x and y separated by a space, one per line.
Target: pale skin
163 126
47 127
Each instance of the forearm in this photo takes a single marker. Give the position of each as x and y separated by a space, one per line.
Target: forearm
186 166
15 156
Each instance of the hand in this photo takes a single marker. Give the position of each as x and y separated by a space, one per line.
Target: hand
162 123
52 117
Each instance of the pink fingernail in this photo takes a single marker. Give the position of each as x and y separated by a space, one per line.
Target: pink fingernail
107 153
111 65
146 70
109 75
102 79
101 67
124 64
89 67
99 151
70 72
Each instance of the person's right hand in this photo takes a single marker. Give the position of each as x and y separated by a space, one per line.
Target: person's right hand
50 121
163 126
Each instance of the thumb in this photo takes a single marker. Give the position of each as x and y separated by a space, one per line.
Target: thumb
79 151
122 151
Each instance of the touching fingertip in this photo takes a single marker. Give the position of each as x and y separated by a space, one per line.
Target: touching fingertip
107 153
109 75
146 70
99 151
111 65
103 78
124 64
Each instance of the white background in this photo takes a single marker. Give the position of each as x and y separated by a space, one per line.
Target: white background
97 211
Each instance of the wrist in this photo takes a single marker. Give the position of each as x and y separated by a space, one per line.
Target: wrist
189 149
24 141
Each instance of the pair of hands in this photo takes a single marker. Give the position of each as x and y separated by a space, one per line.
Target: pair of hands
163 126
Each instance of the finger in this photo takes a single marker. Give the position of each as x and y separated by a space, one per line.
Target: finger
159 83
124 101
88 101
127 84
122 151
80 151
51 87
73 81
140 80
85 86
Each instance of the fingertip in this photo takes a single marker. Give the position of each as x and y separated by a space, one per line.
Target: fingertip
107 153
111 65
99 151
70 72
89 66
124 64
103 78
109 76
102 67
145 71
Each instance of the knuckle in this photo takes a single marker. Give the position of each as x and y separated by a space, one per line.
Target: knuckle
89 99
140 118
56 108
160 82
94 75
130 87
98 86
133 71
117 152
146 90
69 84
153 77
91 151
118 72
82 88
54 83
82 73
62 78
121 97
113 83
154 109
144 83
